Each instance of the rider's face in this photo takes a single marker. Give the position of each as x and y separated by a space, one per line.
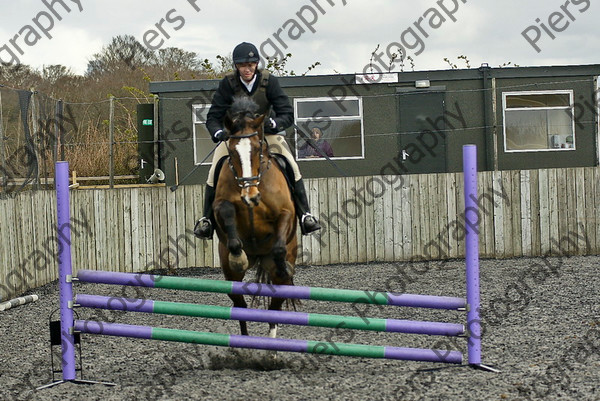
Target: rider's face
246 70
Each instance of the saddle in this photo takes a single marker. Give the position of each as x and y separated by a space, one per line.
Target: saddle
286 169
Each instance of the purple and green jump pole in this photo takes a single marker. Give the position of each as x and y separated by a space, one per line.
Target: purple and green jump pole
269 316
267 343
271 290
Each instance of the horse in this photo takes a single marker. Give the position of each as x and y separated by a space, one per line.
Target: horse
254 212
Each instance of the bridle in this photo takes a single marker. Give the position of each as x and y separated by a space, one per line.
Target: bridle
254 181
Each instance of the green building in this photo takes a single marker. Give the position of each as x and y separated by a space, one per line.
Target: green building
409 122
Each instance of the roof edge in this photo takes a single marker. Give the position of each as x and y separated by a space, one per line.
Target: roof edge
407 76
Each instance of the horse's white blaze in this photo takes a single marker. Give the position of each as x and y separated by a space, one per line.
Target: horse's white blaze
244 149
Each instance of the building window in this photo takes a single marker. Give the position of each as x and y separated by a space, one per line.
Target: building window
336 126
538 121
203 143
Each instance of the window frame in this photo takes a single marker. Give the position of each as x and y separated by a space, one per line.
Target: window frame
569 92
195 121
597 104
299 120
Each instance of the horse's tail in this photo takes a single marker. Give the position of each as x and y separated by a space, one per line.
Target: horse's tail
262 276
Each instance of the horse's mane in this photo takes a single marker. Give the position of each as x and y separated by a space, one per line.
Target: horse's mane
241 108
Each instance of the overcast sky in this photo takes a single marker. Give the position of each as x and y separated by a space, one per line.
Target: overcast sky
340 37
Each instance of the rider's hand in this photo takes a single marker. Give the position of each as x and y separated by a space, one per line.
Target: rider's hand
220 135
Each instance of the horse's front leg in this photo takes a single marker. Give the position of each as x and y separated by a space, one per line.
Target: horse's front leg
233 275
284 269
225 212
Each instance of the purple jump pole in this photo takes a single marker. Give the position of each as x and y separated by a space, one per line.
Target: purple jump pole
65 270
65 275
472 220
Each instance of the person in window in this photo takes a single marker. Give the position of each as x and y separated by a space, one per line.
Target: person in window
262 87
307 151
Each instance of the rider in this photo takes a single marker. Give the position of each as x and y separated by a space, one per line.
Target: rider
264 89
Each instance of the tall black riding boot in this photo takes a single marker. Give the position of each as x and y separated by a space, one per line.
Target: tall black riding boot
308 222
204 228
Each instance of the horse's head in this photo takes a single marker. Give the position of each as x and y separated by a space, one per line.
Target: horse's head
246 145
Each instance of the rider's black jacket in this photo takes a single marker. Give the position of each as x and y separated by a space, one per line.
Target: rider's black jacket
266 92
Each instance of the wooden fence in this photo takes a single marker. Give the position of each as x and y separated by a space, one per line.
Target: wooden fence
375 218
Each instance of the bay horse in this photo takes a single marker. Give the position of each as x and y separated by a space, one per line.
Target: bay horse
254 211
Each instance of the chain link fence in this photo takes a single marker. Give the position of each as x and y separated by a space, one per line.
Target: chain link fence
100 139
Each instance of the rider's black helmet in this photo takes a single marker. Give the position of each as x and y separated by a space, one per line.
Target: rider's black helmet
245 53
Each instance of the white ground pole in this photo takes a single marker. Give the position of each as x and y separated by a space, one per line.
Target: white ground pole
18 301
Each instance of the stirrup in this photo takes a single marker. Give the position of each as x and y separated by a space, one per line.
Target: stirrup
309 223
203 228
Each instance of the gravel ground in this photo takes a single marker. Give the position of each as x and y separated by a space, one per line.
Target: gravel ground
541 319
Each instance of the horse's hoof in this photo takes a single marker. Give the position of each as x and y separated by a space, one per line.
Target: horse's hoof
238 263
271 356
273 331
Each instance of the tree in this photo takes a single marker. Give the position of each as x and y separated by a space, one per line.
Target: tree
225 65
52 74
177 59
124 51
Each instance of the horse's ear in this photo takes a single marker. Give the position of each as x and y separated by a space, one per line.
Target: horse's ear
257 122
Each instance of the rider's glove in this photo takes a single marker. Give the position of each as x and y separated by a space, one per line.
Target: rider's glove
220 135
